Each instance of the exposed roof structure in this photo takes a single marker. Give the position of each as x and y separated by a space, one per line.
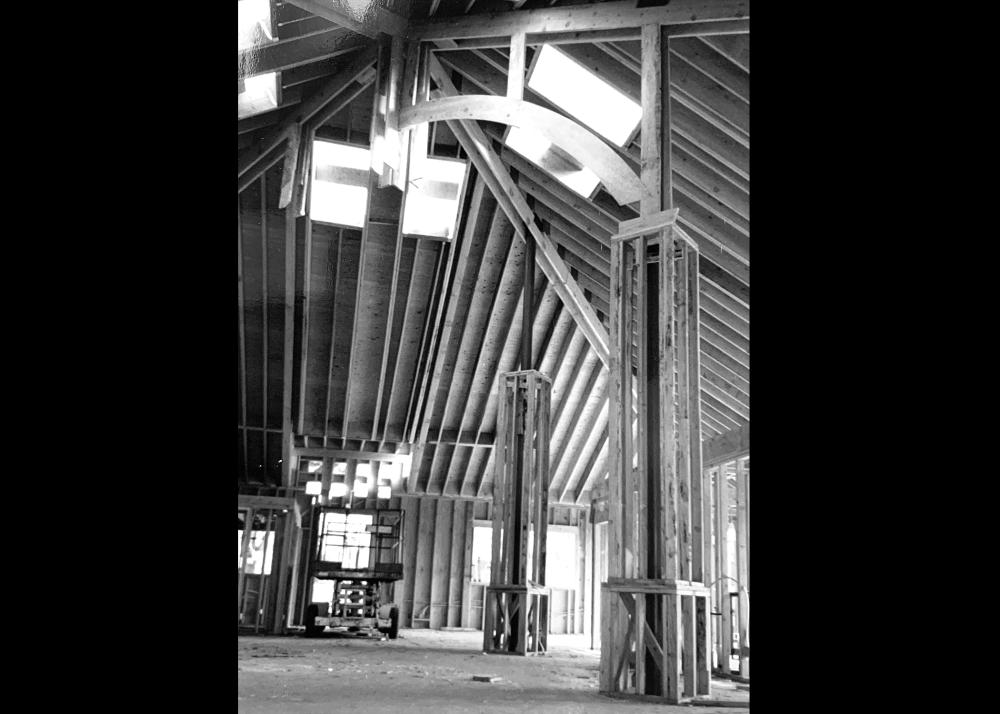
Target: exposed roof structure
397 341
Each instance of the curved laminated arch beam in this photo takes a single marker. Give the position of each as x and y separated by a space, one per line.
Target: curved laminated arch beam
618 178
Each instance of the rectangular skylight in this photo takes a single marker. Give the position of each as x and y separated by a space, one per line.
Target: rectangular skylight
433 197
257 94
537 149
339 183
578 91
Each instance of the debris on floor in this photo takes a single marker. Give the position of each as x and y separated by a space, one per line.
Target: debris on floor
484 678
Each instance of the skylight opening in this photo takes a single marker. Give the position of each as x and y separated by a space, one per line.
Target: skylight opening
257 94
253 23
339 184
540 151
580 92
433 197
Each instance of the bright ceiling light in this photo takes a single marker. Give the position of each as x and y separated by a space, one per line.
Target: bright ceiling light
340 183
314 488
540 151
578 91
433 196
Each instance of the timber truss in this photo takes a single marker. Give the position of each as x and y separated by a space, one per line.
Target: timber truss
456 71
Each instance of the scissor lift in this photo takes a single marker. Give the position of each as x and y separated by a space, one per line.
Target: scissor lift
360 551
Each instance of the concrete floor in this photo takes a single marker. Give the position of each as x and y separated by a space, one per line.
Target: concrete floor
426 670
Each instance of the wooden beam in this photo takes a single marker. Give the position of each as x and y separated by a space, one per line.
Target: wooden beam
515 75
297 51
511 199
735 49
289 176
251 163
577 37
370 21
651 223
726 447
578 18
586 148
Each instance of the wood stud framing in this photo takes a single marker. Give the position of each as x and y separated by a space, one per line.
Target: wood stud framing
703 153
655 638
517 601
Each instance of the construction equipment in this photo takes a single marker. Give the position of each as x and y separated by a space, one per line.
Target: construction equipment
358 552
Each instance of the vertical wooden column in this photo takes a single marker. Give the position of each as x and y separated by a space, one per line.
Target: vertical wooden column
516 601
722 560
655 604
742 480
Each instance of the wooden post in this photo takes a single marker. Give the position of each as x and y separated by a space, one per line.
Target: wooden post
722 559
654 637
516 601
742 478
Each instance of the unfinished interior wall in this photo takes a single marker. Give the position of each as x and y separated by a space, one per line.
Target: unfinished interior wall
438 589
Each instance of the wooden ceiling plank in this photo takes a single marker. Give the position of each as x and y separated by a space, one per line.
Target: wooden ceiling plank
508 275
709 399
709 180
427 339
477 147
709 248
726 280
715 411
710 139
707 431
598 424
736 49
333 337
444 338
598 457
720 328
480 481
572 424
407 311
479 280
370 21
711 118
358 295
697 195
713 368
733 352
723 297
712 423
709 61
397 259
719 312
722 356
608 224
579 218
723 397
600 16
